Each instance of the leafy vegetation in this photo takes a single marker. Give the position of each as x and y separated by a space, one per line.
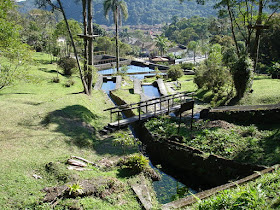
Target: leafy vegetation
137 163
175 72
67 64
240 143
260 194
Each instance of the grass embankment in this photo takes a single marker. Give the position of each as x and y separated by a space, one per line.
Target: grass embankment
260 194
44 122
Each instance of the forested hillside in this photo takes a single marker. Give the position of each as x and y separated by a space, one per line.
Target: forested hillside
140 12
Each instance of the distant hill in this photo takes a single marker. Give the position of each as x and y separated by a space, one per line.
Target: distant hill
140 11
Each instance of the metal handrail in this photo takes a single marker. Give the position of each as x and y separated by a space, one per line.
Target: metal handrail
153 99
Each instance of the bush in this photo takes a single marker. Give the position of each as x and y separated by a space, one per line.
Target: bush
69 83
137 163
274 70
67 64
188 66
242 72
158 73
212 75
55 80
175 72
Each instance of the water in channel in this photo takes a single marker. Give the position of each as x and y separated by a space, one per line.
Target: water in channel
151 91
107 86
168 188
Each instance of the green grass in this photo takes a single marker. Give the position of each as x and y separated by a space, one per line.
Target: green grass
266 91
44 122
260 194
127 95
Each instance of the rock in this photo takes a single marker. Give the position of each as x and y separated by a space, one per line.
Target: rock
76 163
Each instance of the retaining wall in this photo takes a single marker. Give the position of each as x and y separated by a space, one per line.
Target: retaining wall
191 166
246 114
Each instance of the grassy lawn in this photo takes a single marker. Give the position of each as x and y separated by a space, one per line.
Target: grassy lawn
266 91
44 122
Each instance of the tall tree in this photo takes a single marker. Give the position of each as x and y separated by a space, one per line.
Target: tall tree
119 10
193 45
162 44
59 7
11 47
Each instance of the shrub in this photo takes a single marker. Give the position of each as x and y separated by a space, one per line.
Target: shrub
242 72
158 73
67 64
125 140
274 70
137 163
69 83
188 66
175 72
212 74
55 80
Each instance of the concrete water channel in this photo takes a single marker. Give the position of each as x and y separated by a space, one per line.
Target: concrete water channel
168 187
207 174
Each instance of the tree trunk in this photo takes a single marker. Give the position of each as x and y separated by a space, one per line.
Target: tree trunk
117 38
258 34
74 47
232 28
90 47
84 3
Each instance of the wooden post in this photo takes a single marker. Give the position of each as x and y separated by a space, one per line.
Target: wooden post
160 103
192 121
146 106
180 122
119 119
168 106
155 107
139 110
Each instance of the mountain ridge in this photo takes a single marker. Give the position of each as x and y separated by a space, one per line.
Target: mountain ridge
148 12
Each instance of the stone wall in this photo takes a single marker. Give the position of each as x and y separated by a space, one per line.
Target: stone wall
190 165
245 114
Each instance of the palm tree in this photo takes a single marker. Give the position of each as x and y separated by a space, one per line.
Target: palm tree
119 9
162 44
193 45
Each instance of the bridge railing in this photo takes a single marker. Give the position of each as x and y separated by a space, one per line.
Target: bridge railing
169 100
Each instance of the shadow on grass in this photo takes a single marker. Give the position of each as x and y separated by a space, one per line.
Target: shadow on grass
16 94
107 146
200 96
74 121
125 172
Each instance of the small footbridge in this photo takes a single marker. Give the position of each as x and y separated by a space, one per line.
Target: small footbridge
147 109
